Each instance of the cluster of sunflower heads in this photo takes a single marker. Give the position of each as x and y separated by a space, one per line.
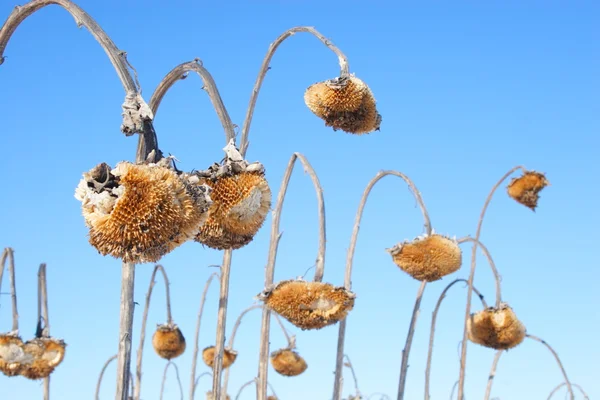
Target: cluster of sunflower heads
308 305
287 362
168 341
34 359
140 212
208 356
241 200
527 187
428 257
496 328
344 103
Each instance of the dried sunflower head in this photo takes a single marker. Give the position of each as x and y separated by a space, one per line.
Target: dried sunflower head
309 305
344 103
271 398
168 341
497 328
208 356
209 396
526 188
46 354
12 355
287 362
241 200
428 258
140 212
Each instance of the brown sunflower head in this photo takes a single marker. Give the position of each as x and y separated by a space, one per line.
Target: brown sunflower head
497 328
208 356
287 362
241 200
46 354
12 355
140 212
272 398
527 187
344 103
428 258
168 341
308 305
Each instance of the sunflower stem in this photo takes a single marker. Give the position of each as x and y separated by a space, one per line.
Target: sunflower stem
349 365
492 265
164 380
106 364
338 382
244 386
432 331
13 290
343 61
560 365
488 388
556 389
43 316
463 351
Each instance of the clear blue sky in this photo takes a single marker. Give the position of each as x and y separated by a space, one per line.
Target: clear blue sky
466 92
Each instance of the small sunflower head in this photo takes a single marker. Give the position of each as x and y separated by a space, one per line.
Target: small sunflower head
344 103
527 187
272 398
309 305
140 212
12 355
46 354
241 200
428 258
496 328
208 356
288 363
209 396
168 341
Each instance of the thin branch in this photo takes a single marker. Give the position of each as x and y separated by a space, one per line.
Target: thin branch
453 389
106 364
221 324
556 389
488 389
13 289
382 396
265 67
463 352
432 331
492 265
261 386
164 380
180 72
349 365
140 351
125 330
193 379
272 390
560 365
337 389
290 340
244 386
198 380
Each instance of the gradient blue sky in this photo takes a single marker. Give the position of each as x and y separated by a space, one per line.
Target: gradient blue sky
467 91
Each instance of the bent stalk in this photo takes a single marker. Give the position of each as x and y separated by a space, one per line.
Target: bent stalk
198 380
106 364
261 386
349 365
560 365
244 386
487 254
164 380
463 351
556 389
343 61
337 389
488 389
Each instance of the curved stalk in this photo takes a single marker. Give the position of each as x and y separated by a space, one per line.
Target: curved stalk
180 72
261 386
432 331
488 389
463 351
164 380
221 324
106 364
487 254
453 389
556 389
244 386
560 365
140 352
349 365
382 396
272 390
265 67
337 389
194 380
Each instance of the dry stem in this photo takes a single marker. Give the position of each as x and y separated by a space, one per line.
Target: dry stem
265 67
432 331
261 386
43 315
193 379
487 254
349 365
244 386
221 324
140 352
556 389
337 389
560 365
382 396
106 364
164 380
197 380
488 389
8 252
463 352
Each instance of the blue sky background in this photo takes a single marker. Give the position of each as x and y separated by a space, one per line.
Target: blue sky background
467 91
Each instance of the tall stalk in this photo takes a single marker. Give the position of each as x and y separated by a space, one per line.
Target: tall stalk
343 61
338 383
463 351
9 253
488 388
164 380
140 351
42 315
560 365
261 386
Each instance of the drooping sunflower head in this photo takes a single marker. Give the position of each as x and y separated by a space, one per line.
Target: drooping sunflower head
168 341
496 328
287 362
525 189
